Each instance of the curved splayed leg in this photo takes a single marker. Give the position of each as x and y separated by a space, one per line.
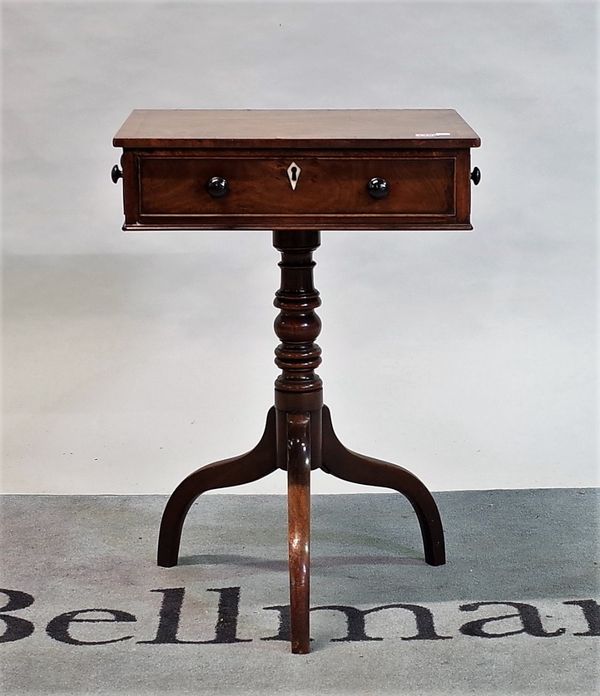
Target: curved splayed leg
356 468
253 465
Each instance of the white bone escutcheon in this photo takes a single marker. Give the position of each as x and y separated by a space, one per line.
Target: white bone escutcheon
293 172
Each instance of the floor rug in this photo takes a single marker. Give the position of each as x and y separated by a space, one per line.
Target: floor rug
85 610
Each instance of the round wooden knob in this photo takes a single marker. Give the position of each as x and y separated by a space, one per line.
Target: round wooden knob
378 187
116 174
217 186
476 175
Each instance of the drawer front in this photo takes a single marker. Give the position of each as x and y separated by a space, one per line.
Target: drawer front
331 191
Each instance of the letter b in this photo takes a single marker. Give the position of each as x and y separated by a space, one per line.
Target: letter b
16 627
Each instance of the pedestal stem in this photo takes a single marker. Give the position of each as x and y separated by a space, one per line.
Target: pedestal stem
299 406
298 389
297 325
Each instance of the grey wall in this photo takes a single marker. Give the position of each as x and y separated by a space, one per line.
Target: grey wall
130 360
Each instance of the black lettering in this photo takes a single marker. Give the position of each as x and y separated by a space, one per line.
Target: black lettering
530 621
284 632
58 627
170 614
227 619
355 621
591 613
16 627
168 617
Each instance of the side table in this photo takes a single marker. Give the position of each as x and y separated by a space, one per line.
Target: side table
297 173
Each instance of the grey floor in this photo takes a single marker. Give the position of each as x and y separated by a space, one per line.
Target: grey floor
538 548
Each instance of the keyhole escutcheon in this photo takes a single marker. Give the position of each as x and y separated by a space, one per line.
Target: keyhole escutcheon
293 172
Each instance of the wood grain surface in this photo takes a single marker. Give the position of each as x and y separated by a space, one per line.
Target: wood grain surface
338 128
176 186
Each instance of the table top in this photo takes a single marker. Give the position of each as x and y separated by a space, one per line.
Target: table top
306 128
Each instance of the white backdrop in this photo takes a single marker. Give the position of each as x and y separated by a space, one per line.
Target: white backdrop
130 360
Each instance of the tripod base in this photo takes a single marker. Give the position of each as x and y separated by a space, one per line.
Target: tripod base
297 432
299 437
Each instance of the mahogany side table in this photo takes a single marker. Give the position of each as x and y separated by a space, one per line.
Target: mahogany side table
297 173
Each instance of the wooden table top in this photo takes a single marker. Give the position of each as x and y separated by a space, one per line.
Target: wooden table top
307 128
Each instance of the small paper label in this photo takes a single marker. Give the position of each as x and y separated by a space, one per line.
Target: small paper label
429 135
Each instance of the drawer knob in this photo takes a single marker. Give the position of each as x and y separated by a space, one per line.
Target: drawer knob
217 186
476 175
378 187
116 174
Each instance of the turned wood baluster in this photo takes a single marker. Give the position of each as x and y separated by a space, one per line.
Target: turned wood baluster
298 403
297 325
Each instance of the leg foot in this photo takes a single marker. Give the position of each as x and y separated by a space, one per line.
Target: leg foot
356 468
229 472
298 468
